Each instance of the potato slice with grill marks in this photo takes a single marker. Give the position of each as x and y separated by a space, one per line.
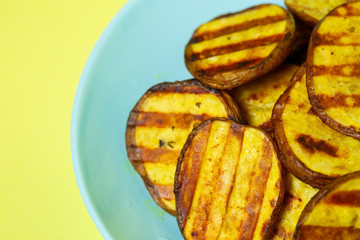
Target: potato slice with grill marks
257 98
312 11
158 127
297 195
312 151
228 182
333 76
235 48
333 213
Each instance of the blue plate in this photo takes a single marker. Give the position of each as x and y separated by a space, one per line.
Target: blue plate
142 46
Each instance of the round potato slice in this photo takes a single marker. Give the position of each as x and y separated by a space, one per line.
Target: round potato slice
235 48
228 182
333 76
257 98
159 125
333 213
312 151
297 195
312 11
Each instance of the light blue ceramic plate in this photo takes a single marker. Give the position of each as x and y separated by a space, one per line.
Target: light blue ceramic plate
142 46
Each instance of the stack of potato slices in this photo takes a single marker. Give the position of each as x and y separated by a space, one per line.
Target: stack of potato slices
311 150
159 125
280 157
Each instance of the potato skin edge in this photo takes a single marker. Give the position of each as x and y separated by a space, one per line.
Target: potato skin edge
319 195
287 156
240 77
268 232
318 109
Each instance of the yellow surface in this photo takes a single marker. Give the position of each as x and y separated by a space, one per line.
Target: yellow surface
44 47
297 121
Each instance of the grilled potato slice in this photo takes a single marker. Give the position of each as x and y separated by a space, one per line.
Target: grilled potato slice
311 11
333 213
313 152
297 195
257 98
228 182
159 125
235 48
333 76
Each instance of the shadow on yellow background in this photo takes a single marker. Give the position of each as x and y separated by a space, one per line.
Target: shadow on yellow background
44 47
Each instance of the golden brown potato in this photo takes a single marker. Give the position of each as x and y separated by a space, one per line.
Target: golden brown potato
297 195
333 213
235 48
158 127
228 182
257 98
333 76
311 11
312 151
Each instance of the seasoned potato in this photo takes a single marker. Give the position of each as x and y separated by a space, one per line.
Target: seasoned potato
235 48
311 11
158 127
297 195
333 213
257 98
228 182
312 151
333 77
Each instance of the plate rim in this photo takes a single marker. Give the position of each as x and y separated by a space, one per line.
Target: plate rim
76 116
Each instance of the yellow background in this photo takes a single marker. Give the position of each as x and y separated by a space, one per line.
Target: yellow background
44 47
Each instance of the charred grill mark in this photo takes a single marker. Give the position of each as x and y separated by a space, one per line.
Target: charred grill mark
190 174
338 100
337 70
208 202
142 154
165 191
233 47
334 39
344 198
313 145
163 120
319 232
237 28
350 11
257 191
239 131
244 63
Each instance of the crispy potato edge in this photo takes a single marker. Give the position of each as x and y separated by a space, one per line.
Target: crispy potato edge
233 110
266 65
321 194
287 156
318 109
